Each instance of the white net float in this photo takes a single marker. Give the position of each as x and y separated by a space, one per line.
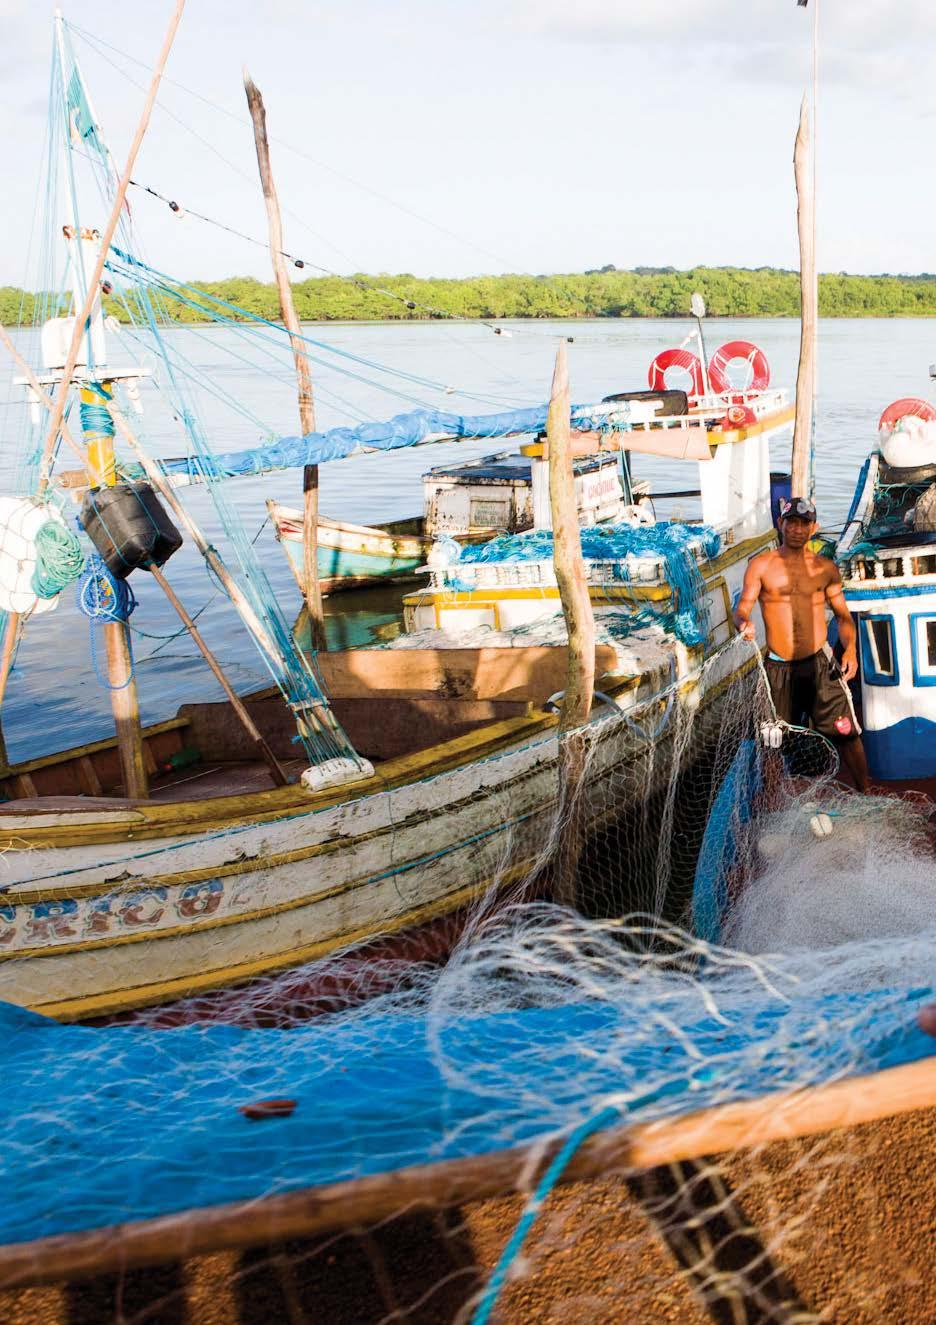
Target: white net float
21 518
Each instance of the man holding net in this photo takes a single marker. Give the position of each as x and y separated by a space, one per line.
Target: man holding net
794 586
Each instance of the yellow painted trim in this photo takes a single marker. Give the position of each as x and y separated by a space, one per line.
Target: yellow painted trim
453 599
714 436
152 821
221 922
172 819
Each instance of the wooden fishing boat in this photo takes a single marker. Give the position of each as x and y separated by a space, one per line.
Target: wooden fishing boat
219 877
216 879
352 556
207 851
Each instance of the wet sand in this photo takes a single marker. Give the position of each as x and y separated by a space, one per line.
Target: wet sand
848 1220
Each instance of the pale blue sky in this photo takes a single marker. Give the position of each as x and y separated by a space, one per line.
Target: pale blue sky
534 135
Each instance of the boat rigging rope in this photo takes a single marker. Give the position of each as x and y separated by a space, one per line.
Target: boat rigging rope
59 559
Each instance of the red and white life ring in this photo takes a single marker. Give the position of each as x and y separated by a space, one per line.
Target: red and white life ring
899 409
739 349
683 359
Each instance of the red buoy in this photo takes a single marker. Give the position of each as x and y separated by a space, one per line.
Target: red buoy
753 355
899 409
738 416
684 359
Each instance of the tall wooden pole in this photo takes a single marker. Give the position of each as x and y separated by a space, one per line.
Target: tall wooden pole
14 621
805 376
124 701
567 553
92 293
580 627
312 588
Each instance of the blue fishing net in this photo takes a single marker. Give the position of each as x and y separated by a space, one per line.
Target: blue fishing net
678 546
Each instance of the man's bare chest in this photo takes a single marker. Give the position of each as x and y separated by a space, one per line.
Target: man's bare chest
793 582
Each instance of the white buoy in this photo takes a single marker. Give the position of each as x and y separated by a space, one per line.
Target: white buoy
821 825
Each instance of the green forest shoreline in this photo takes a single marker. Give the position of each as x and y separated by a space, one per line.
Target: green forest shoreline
603 293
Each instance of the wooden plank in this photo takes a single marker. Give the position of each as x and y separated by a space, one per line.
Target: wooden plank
569 563
90 779
93 747
781 1116
532 673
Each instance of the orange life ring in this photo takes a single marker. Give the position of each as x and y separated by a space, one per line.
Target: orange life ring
683 359
899 409
739 349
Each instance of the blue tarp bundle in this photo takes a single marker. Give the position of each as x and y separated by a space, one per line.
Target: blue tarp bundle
603 542
402 430
105 1125
673 542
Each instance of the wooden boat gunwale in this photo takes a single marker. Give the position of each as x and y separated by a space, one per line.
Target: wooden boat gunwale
779 1116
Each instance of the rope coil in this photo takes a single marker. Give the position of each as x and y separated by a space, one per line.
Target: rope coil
60 559
101 596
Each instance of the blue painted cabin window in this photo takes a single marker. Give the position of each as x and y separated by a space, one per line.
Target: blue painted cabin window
923 647
878 651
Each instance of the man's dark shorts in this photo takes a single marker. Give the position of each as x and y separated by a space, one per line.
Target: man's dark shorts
811 691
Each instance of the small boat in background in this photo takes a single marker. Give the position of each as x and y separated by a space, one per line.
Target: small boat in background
469 501
352 556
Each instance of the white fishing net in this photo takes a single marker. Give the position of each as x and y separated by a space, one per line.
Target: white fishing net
569 1002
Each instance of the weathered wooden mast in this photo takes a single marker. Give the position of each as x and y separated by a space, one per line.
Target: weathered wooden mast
802 477
580 627
312 588
567 553
124 702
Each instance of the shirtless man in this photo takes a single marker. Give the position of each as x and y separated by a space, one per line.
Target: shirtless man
793 586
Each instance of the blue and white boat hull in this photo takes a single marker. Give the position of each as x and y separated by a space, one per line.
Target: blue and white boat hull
890 588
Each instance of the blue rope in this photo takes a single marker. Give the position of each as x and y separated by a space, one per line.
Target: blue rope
101 596
604 1118
534 1205
104 599
96 418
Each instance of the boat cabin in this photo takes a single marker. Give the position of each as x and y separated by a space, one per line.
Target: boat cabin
888 559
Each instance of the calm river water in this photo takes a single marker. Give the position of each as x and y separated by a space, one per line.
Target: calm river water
55 698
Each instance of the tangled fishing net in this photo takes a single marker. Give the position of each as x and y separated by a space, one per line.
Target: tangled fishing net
577 1000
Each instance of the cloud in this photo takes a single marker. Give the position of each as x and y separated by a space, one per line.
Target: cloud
863 45
860 25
